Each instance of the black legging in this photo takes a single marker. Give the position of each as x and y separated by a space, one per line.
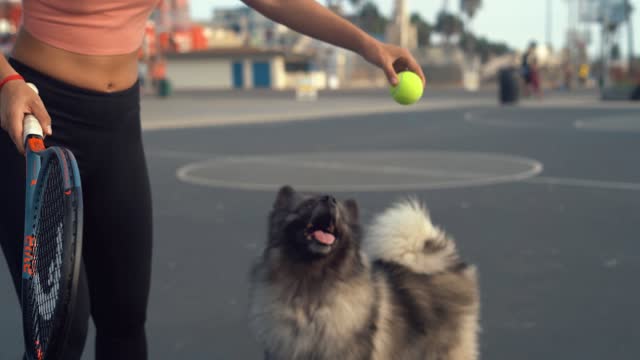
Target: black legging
103 131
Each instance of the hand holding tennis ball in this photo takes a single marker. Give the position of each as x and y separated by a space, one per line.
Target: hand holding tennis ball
400 67
409 89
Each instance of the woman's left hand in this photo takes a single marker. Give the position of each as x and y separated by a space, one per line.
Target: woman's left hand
392 60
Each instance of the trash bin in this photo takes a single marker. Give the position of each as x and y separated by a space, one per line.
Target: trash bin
508 86
164 87
636 94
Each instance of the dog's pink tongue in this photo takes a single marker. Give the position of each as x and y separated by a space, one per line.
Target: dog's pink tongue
324 237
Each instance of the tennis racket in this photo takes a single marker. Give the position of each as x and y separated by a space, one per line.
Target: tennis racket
52 244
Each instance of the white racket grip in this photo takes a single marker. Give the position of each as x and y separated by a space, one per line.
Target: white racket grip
31 125
33 87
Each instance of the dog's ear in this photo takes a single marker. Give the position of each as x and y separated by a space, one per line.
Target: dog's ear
285 198
352 209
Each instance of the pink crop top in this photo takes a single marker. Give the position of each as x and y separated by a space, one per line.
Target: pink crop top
90 27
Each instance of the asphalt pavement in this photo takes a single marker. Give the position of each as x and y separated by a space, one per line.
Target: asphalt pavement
543 197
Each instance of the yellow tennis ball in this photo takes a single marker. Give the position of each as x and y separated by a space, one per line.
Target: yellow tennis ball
409 89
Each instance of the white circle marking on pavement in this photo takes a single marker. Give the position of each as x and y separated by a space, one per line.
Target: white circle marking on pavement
360 171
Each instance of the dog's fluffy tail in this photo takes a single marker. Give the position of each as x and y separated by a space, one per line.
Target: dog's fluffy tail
405 235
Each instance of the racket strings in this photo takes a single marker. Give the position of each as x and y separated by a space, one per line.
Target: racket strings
47 284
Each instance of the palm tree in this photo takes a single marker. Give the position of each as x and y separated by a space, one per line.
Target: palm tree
449 24
628 11
424 29
370 19
470 7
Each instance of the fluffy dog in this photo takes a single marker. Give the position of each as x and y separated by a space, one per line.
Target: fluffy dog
326 290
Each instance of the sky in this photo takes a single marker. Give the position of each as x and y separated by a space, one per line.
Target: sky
515 22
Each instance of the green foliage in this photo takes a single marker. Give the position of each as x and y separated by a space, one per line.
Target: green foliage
370 19
449 24
486 48
424 29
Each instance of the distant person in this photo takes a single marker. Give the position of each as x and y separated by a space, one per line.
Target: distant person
143 73
583 74
567 70
158 72
636 92
530 71
82 55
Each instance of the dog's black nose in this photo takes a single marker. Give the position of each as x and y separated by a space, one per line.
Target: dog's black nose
329 199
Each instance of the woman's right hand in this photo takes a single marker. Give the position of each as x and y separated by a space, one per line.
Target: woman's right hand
16 100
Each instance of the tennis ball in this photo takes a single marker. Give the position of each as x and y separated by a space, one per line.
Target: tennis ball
409 89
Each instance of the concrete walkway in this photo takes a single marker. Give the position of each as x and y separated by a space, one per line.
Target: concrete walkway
202 109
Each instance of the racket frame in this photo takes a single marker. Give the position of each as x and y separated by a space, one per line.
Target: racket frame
38 159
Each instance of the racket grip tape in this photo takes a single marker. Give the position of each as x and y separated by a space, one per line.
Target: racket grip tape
31 125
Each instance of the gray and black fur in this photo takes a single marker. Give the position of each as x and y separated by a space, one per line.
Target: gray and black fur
395 291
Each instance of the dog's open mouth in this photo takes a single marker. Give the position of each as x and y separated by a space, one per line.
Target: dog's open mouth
321 229
324 236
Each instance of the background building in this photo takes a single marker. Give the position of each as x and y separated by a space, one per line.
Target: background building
10 16
240 68
253 27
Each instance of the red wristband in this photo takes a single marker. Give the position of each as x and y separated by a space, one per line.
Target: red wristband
9 78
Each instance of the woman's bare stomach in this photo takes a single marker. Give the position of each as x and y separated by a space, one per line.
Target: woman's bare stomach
102 73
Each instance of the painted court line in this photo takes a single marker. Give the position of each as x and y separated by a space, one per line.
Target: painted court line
585 183
204 160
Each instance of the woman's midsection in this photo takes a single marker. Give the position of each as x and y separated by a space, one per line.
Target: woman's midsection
95 72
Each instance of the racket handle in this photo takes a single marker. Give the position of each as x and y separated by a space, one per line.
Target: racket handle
31 125
33 87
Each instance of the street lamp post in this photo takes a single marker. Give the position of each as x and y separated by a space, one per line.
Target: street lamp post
628 14
549 22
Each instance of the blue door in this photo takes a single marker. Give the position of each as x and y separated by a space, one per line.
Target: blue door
238 75
261 74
